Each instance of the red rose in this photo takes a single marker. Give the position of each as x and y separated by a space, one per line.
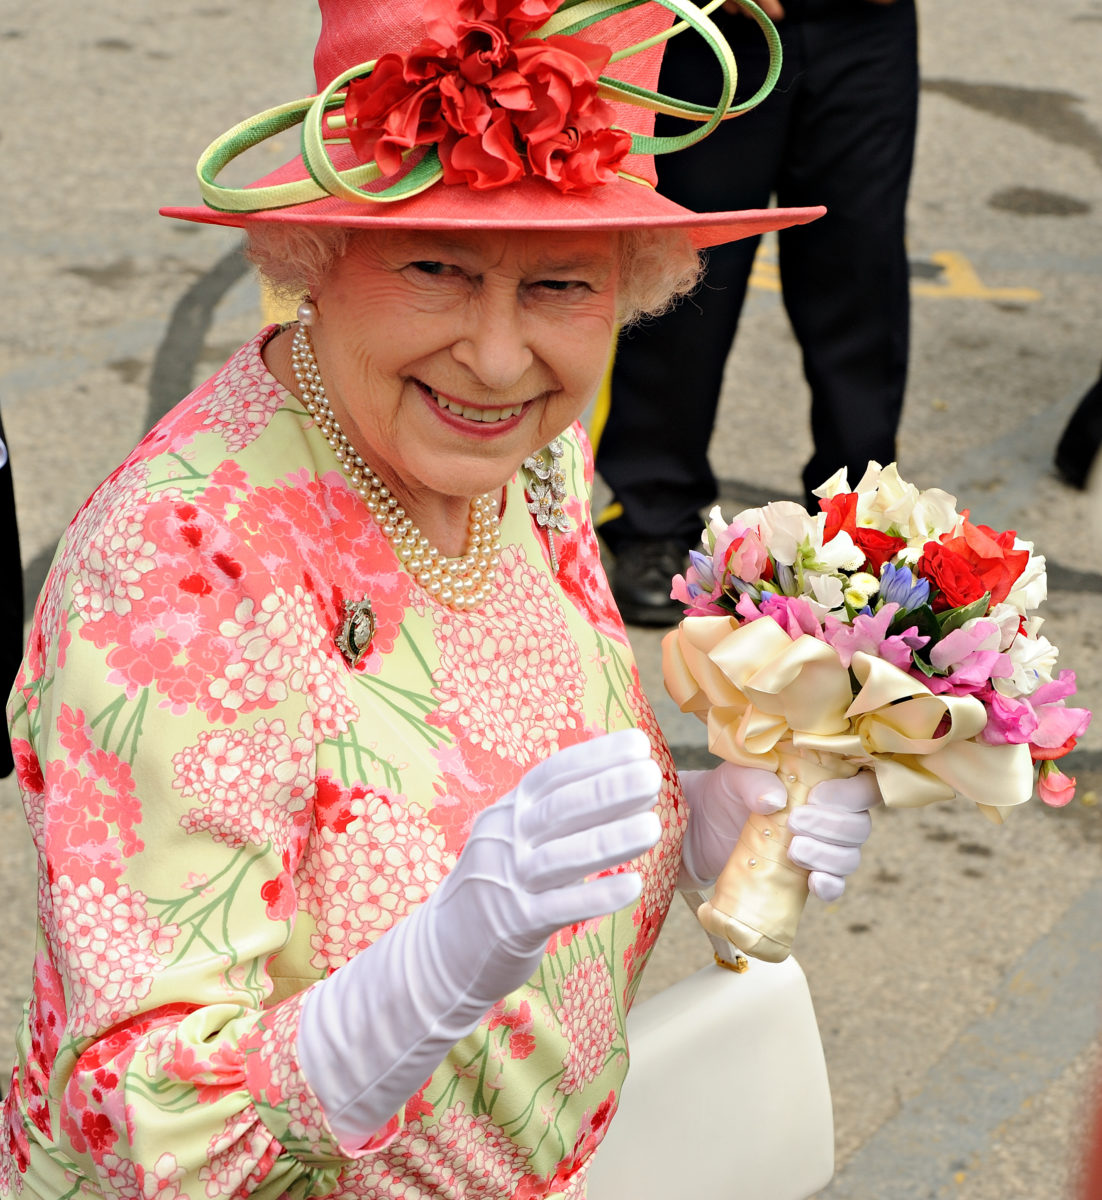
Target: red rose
991 555
877 548
954 581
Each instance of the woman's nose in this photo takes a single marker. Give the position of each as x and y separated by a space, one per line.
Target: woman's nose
494 345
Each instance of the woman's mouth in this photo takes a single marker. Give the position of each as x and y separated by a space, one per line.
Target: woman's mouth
471 412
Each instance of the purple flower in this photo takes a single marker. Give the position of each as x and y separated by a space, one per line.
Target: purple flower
899 586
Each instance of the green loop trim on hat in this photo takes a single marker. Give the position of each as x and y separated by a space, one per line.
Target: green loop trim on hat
572 17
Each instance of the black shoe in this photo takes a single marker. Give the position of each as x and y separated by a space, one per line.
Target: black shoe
641 582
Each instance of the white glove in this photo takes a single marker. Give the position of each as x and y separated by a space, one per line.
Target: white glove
377 1028
719 802
832 826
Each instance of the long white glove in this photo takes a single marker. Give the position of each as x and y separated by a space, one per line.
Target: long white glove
376 1029
832 826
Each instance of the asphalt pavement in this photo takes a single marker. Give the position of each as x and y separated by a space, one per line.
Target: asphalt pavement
958 982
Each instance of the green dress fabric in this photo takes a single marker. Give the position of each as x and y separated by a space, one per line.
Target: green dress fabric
225 811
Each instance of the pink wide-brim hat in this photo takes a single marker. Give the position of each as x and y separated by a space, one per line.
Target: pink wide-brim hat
356 33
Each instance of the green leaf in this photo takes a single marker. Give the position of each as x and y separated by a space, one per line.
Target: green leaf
923 620
954 618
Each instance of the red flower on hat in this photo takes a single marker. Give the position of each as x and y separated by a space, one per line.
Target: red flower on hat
496 102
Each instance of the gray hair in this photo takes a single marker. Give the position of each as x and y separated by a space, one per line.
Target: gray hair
657 266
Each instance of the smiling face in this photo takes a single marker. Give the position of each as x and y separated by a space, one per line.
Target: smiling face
449 357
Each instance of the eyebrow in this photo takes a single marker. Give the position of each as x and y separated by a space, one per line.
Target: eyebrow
433 245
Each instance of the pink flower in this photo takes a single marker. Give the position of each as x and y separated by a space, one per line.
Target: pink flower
869 634
793 614
1041 720
1053 786
970 658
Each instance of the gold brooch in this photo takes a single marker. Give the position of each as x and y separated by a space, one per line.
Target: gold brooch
354 638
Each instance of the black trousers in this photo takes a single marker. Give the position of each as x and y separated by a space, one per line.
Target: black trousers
11 604
838 130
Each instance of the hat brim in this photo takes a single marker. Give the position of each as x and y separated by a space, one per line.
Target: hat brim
530 204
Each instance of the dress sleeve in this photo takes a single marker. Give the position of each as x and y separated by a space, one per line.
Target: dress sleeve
166 725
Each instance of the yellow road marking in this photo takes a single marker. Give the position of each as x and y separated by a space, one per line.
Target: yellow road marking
958 280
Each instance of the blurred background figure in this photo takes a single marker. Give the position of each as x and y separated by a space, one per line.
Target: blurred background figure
11 596
839 129
1078 445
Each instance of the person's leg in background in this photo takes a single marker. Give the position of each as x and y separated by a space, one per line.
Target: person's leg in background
845 278
653 450
11 599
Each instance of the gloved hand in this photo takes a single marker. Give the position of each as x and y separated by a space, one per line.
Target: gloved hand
832 826
719 802
371 1033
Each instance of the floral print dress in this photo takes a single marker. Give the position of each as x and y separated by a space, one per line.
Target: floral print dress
225 811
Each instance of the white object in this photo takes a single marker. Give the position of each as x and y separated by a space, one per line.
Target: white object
371 1033
727 1097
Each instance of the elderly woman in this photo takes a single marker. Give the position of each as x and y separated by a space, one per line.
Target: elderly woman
354 827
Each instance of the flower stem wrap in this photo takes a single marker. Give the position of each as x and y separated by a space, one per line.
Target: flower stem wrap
791 706
761 893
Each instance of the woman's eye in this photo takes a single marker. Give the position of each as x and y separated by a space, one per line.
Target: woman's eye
561 285
430 268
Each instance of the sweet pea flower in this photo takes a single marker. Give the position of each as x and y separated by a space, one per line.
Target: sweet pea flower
968 657
698 601
886 501
784 526
869 633
796 615
1053 786
1058 727
740 551
826 589
1041 720
1031 587
838 482
1033 659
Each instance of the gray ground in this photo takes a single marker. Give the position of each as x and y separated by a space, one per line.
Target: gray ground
958 981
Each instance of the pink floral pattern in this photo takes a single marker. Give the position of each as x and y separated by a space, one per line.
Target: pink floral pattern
371 860
490 664
247 782
224 812
587 1016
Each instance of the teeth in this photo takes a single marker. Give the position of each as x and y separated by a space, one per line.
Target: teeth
486 415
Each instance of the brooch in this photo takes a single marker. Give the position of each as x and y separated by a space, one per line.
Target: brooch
355 634
546 491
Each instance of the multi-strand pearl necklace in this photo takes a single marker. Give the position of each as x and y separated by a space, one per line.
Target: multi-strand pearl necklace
461 583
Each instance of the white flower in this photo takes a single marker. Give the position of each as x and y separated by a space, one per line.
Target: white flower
827 591
1009 620
1031 587
862 586
1034 661
885 500
837 484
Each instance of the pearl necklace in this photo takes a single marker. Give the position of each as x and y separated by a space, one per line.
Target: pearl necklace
461 583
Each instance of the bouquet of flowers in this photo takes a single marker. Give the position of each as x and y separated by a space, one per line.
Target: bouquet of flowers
887 632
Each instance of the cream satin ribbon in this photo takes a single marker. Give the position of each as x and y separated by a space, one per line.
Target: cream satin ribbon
756 688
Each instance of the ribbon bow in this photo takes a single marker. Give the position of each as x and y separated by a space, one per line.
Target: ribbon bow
756 687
